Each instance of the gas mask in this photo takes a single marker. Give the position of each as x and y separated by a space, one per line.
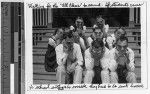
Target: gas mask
122 55
68 44
100 22
97 53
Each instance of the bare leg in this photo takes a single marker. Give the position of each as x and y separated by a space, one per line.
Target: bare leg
105 76
60 75
131 77
78 75
88 77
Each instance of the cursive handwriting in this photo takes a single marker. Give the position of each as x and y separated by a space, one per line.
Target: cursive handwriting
84 86
116 4
137 86
31 5
85 5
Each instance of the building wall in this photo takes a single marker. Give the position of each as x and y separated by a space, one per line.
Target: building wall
64 17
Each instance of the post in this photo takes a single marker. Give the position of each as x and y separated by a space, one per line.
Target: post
50 18
131 17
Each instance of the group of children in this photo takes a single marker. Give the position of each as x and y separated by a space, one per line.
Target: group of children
102 57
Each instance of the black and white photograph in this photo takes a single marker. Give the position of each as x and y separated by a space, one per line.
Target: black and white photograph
82 47
86 45
74 47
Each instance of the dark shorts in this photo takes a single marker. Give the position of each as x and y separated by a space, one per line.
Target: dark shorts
69 78
122 74
97 77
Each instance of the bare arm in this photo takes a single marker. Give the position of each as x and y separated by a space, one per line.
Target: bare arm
60 55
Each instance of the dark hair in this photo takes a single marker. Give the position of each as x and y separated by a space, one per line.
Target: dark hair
97 28
55 32
120 28
100 17
98 43
68 34
79 18
122 38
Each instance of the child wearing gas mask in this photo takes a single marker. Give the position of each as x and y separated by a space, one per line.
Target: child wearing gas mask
70 60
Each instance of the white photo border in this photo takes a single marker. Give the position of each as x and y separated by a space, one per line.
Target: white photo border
30 87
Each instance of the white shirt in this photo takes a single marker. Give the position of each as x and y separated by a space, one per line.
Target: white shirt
82 44
52 42
106 27
131 65
90 40
111 39
72 27
61 56
105 61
